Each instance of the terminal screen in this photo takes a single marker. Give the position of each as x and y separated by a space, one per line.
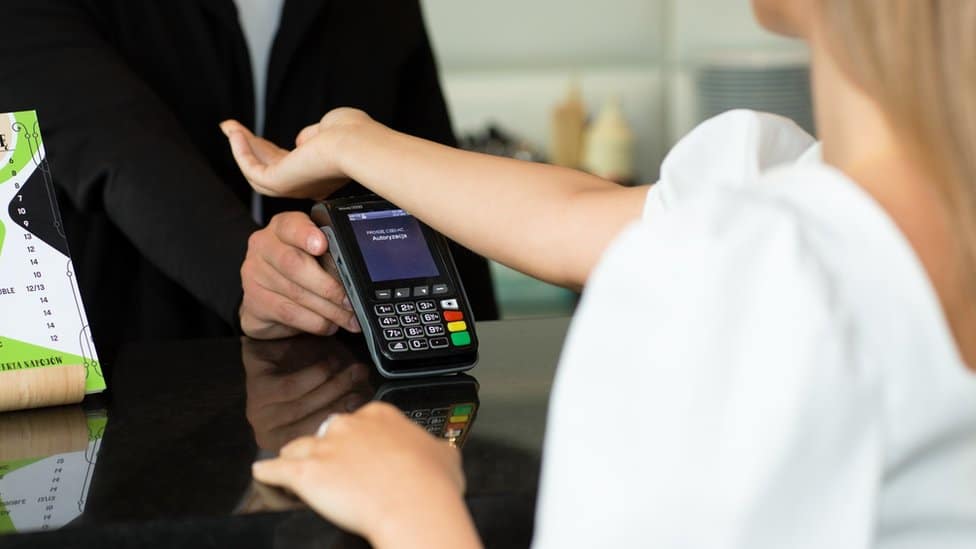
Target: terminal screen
393 245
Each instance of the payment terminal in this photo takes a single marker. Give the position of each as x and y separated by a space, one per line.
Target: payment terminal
403 285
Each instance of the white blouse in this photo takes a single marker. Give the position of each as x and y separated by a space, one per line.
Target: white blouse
760 363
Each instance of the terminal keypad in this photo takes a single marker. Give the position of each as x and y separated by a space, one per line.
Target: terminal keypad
423 324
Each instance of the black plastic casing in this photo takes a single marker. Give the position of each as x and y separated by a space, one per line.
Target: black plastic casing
346 260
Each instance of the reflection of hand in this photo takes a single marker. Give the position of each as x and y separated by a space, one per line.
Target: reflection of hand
377 474
293 385
286 291
311 170
261 498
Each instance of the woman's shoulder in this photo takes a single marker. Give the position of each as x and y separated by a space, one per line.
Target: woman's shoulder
734 258
806 245
800 239
730 150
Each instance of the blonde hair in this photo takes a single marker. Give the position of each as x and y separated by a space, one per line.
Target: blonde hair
918 59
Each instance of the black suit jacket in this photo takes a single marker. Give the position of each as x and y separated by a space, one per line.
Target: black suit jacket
129 95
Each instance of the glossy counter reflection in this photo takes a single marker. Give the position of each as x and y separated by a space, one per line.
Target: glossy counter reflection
46 461
294 385
187 419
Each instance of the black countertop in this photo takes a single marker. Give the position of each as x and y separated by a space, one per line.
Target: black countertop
163 459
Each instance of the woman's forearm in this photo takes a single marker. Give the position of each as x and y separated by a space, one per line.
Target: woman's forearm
552 223
441 523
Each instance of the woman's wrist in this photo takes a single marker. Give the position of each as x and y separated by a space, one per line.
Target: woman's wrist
351 138
440 522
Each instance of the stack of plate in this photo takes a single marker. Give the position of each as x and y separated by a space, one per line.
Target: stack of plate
776 82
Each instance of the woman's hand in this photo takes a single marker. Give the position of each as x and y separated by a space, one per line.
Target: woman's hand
311 170
377 474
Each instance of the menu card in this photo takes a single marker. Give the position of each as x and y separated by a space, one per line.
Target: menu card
43 326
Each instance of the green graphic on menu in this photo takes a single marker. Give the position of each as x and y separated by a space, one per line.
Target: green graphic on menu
44 322
19 355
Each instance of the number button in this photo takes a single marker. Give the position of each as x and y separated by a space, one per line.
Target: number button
409 320
438 342
413 332
430 318
419 345
426 306
405 308
392 334
384 309
389 321
435 330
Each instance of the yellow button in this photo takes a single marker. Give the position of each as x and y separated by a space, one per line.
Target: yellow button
458 419
457 326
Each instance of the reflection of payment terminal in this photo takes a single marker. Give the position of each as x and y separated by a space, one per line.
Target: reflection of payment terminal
444 406
403 284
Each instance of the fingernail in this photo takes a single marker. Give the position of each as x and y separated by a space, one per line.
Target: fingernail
354 325
314 244
257 467
346 303
333 330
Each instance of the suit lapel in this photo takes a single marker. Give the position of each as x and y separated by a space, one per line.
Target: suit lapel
296 22
240 92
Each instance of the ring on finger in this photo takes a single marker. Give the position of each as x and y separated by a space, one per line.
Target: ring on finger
324 427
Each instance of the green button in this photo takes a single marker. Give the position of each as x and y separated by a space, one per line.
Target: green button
464 410
460 339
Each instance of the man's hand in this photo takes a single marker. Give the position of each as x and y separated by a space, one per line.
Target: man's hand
286 291
294 384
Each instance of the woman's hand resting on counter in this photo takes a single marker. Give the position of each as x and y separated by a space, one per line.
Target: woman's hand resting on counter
377 474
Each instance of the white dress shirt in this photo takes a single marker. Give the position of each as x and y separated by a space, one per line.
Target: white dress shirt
259 20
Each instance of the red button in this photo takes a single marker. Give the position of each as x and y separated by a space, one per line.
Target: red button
453 316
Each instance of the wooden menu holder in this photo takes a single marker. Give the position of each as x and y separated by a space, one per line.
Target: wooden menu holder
42 387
